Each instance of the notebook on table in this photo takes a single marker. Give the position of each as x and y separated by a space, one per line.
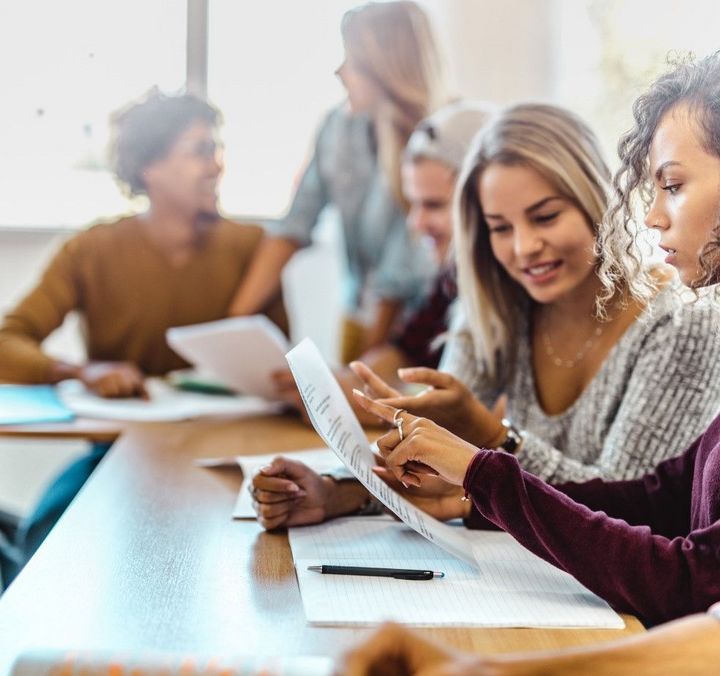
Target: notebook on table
25 404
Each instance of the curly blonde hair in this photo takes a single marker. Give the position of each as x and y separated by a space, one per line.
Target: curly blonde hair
696 83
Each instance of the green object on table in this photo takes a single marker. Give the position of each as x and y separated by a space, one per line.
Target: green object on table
192 382
23 404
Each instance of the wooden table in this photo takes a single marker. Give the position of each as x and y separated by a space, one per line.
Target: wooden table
147 556
88 429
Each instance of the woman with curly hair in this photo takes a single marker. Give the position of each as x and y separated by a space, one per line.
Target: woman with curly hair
649 546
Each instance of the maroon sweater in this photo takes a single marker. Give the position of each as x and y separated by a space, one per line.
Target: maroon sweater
649 546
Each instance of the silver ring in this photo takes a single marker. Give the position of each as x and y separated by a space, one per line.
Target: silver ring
397 421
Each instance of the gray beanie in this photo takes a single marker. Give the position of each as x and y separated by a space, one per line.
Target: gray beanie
446 134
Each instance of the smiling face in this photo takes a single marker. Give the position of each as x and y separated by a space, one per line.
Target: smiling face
187 177
539 237
686 201
428 186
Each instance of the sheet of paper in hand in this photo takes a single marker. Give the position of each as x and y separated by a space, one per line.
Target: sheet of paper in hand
334 420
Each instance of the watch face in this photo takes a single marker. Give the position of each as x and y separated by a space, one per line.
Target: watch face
513 439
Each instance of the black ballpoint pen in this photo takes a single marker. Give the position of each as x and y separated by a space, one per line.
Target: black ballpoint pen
397 573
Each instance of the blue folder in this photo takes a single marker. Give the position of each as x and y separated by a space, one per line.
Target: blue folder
22 404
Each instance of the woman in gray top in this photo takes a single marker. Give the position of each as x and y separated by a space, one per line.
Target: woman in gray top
391 74
587 396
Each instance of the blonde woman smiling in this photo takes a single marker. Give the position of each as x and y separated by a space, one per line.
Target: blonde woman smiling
587 396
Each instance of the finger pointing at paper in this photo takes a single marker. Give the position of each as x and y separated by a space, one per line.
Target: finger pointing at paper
425 448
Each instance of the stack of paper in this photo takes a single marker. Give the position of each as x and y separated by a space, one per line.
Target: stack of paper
166 404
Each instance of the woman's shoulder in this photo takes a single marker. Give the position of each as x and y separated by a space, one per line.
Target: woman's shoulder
340 126
681 324
685 309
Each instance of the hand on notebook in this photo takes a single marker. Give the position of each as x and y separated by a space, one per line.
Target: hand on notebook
446 401
418 447
289 493
113 379
392 649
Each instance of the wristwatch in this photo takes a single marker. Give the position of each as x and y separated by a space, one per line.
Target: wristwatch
513 437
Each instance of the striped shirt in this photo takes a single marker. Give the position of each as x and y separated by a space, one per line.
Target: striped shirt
657 389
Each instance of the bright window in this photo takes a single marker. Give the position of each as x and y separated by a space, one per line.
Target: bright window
608 51
64 67
270 70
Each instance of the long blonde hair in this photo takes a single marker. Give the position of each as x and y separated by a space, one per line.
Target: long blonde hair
392 43
563 149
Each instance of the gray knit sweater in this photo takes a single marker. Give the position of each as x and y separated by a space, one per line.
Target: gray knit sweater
658 388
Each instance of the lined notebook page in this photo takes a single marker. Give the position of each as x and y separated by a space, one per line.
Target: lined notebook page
511 587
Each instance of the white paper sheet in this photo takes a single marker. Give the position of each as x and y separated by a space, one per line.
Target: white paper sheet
510 588
146 663
320 459
240 352
166 404
340 429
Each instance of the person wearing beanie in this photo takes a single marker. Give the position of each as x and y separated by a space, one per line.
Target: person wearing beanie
432 161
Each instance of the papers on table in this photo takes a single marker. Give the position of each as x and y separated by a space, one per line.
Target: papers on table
240 352
166 404
335 422
525 590
102 663
23 404
321 460
509 586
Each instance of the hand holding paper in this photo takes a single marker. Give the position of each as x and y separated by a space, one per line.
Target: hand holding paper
425 448
240 352
336 423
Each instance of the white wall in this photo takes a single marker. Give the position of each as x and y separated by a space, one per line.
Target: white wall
499 50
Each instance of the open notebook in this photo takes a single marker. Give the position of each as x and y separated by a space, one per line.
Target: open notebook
336 423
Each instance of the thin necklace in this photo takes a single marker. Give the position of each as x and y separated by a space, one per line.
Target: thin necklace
579 355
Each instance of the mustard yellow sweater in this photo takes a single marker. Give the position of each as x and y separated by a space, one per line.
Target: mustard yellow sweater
128 295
